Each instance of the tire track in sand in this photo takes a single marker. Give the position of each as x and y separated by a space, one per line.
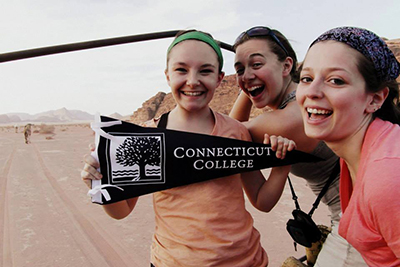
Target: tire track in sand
5 242
101 250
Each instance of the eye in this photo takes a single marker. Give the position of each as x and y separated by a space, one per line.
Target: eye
182 70
206 71
239 71
305 79
336 81
256 65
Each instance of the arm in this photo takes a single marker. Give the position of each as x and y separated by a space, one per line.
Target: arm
118 210
264 194
286 122
121 209
242 108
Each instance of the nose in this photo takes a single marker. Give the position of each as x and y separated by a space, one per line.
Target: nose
314 89
192 80
248 75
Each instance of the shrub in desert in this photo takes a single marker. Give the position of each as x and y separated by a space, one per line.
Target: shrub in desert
46 129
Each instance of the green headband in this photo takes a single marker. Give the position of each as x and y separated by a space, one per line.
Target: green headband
201 37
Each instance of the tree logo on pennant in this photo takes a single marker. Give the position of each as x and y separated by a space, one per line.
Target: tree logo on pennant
138 159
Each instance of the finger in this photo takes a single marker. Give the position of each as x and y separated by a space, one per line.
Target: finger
92 147
266 139
285 147
92 171
88 159
273 139
280 146
87 181
292 145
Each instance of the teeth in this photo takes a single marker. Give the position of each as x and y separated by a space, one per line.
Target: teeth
192 93
251 89
318 111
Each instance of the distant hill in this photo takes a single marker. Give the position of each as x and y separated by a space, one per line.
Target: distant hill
54 116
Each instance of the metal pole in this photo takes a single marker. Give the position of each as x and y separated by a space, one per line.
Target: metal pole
50 50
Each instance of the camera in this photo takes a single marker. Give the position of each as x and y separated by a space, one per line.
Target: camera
303 229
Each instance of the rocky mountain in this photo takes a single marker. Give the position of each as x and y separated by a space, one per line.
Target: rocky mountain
223 100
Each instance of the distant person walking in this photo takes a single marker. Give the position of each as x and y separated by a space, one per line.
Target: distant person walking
27 133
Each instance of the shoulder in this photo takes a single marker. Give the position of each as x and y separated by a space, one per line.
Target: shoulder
382 181
229 127
287 122
382 140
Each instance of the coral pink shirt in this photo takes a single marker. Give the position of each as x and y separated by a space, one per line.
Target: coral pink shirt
371 211
206 224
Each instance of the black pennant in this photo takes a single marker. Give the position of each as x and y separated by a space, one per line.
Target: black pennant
137 160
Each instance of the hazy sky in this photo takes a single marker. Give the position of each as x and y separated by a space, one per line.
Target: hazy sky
120 78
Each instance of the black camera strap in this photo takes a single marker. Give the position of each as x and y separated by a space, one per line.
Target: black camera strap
300 217
334 173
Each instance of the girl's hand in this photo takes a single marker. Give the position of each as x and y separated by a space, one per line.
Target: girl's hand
279 144
89 171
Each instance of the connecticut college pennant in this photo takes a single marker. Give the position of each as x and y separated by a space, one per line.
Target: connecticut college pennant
137 160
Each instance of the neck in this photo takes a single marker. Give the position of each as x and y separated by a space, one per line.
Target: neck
196 122
349 149
288 87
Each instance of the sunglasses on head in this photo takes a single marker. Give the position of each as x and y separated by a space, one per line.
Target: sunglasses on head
261 31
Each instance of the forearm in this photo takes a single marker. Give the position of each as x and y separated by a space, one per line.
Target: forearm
272 189
264 194
121 209
242 108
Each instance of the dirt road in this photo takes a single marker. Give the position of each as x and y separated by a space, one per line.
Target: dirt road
46 218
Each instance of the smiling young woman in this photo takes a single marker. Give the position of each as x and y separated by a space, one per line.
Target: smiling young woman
349 98
265 66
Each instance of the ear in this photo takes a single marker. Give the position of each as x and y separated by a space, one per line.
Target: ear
166 75
287 66
220 78
377 100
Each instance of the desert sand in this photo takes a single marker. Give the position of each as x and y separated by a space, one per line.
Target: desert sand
47 219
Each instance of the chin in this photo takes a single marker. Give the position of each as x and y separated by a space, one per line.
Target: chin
314 133
259 104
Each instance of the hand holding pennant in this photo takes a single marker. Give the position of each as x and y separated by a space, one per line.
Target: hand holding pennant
137 160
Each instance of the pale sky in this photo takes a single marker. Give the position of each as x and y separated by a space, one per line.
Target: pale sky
120 78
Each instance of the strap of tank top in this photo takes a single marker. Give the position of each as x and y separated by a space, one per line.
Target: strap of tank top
163 121
289 98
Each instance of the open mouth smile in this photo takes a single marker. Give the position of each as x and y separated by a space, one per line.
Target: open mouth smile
192 93
318 114
255 90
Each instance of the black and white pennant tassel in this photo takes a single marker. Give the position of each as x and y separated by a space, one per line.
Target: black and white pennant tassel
137 160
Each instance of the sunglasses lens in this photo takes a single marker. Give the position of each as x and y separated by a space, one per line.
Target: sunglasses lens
261 31
258 31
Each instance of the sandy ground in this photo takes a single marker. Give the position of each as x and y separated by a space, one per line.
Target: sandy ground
46 218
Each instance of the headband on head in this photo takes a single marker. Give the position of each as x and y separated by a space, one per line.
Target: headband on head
368 44
195 35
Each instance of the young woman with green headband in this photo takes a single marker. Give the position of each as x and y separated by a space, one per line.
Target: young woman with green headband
204 224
